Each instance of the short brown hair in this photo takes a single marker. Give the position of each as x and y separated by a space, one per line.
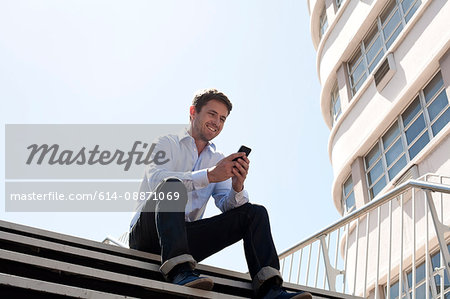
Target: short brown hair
204 96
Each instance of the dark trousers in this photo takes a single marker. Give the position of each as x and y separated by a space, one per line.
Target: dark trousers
167 233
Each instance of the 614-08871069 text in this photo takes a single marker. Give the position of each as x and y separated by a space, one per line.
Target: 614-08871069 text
97 195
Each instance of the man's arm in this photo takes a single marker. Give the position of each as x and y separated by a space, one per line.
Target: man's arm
154 173
226 198
230 194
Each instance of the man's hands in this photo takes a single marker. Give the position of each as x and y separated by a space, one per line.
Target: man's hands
240 173
227 168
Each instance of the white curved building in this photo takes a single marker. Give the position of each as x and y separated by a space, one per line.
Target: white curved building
384 67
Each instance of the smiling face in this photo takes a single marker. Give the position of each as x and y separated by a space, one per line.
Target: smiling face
208 123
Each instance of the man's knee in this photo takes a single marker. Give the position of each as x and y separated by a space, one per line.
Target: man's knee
171 195
260 211
173 180
256 212
173 188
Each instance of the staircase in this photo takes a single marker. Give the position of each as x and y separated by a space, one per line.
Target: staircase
44 264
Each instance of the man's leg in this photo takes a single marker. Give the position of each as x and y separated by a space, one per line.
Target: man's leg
161 229
205 237
170 225
182 243
250 223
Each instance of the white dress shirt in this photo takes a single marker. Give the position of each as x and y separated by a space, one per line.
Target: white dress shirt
191 168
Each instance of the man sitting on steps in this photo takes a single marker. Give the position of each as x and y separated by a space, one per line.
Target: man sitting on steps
195 172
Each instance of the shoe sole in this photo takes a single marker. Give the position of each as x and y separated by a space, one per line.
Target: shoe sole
304 295
204 283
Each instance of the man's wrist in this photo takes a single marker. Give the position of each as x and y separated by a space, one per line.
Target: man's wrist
237 190
210 174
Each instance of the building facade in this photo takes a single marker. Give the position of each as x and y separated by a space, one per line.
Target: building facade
384 68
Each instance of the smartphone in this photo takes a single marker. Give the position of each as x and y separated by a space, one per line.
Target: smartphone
243 149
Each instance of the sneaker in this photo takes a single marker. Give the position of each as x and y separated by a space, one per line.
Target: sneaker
279 293
193 280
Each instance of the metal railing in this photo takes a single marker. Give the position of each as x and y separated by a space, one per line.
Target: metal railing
387 249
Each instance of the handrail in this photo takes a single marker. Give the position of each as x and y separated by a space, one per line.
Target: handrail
367 208
365 266
114 242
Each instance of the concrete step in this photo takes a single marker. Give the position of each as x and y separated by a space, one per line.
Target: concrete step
52 265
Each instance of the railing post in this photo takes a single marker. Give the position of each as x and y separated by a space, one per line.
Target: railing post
299 265
377 295
331 272
427 249
317 265
309 263
388 285
344 278
440 229
400 271
290 267
413 207
356 257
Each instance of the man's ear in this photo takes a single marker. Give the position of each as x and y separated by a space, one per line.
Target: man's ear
191 111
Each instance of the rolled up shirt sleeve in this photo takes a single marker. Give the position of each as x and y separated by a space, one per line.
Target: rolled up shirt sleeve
240 197
200 179
226 198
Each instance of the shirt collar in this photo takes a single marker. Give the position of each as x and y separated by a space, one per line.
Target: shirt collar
184 134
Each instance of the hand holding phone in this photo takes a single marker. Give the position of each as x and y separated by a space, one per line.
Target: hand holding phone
240 171
243 149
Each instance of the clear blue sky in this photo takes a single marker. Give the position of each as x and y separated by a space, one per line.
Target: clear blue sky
141 62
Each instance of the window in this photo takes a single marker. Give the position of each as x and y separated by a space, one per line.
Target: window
420 281
393 151
391 23
409 7
436 262
427 114
357 71
323 22
335 104
383 33
407 287
373 48
348 197
415 128
385 160
376 178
